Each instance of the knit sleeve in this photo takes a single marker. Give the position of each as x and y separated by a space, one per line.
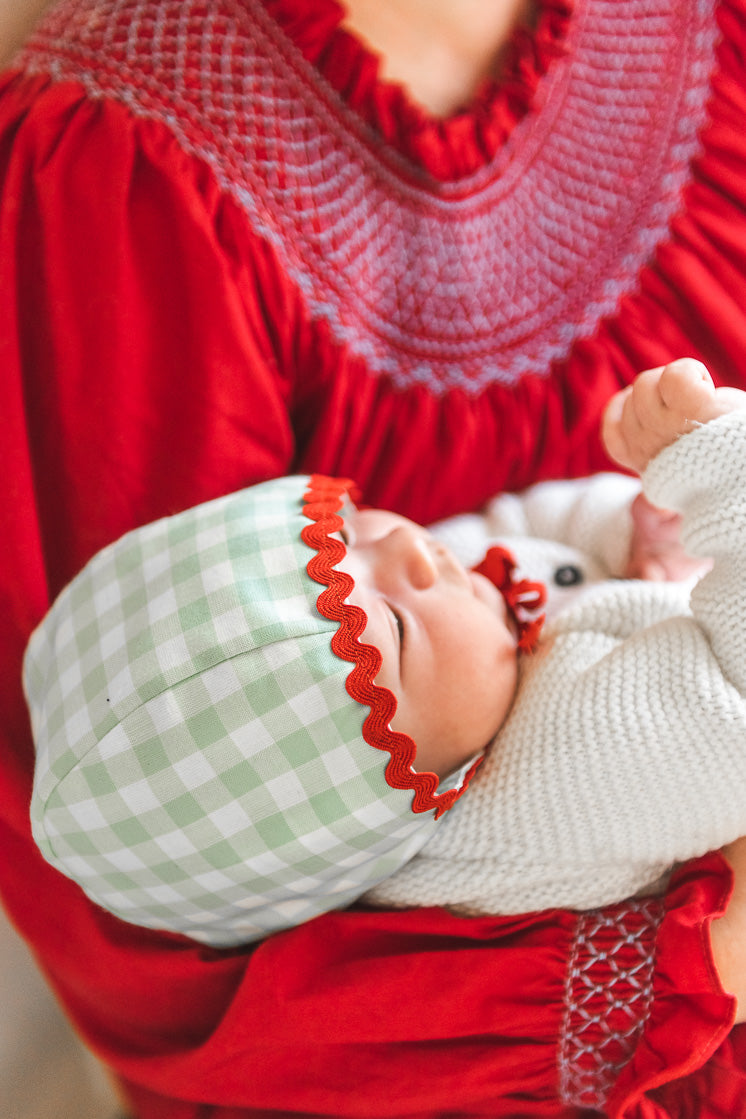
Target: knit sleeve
590 515
703 475
623 753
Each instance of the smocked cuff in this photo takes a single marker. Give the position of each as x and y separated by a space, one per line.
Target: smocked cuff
609 993
678 1012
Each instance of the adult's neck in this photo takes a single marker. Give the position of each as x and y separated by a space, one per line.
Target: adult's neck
17 19
441 50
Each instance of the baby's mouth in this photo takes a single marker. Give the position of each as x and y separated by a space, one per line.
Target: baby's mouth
486 591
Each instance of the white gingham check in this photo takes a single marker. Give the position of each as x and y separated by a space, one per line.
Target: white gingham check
200 766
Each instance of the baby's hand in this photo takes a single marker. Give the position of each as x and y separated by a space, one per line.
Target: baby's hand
659 406
656 552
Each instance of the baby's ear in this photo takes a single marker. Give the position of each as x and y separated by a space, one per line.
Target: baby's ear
656 553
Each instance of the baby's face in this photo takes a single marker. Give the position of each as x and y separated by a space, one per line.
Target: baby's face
447 644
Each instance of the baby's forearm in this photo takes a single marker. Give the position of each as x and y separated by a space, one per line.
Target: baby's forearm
720 520
703 475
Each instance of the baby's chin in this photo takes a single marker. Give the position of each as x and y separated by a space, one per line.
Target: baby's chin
488 593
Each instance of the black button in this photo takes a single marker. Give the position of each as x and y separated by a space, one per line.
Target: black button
568 576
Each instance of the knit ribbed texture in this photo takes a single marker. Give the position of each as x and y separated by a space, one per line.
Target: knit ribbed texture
625 751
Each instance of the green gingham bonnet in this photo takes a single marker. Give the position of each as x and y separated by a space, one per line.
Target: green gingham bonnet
212 755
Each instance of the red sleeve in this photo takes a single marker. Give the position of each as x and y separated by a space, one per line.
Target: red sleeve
130 322
107 304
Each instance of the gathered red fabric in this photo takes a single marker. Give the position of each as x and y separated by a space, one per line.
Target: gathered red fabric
228 251
448 149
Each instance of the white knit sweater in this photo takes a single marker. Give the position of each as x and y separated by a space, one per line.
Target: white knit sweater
625 750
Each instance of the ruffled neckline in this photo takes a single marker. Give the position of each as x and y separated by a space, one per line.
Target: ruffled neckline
447 148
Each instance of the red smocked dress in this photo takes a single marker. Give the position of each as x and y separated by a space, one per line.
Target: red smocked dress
227 251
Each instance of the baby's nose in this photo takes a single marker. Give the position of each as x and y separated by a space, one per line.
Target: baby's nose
412 556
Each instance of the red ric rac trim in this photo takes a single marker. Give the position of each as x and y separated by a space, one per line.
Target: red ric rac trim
521 595
323 499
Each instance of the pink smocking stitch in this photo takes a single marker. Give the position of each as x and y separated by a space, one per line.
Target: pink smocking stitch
449 285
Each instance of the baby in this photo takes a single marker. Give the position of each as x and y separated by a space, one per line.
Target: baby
622 751
219 747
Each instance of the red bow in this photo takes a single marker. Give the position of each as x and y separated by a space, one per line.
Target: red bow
520 595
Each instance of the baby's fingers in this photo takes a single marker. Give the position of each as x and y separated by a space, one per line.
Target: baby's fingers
626 439
670 400
645 422
612 433
662 404
688 390
687 394
636 424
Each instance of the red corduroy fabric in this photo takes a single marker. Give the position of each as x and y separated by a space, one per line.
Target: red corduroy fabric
155 354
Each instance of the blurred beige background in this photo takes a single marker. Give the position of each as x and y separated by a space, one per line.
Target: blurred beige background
44 1071
17 17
